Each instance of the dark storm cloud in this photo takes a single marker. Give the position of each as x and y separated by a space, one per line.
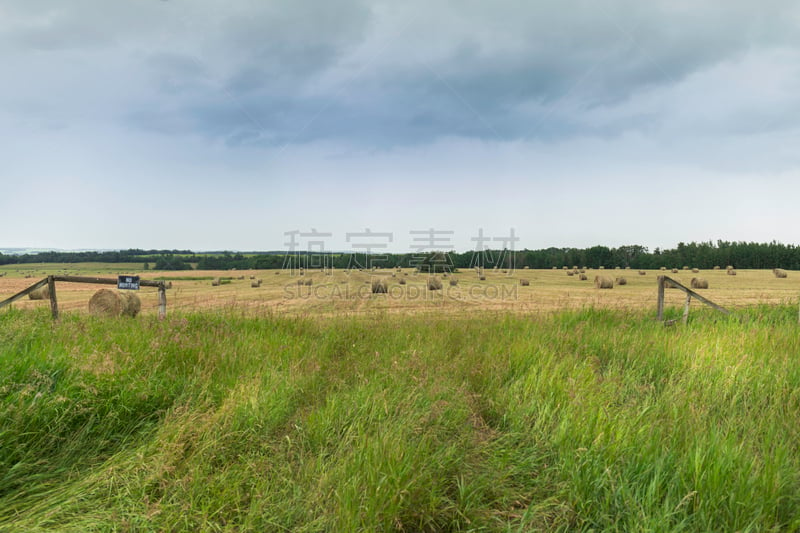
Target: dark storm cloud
383 73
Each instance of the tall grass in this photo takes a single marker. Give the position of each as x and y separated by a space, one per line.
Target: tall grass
588 420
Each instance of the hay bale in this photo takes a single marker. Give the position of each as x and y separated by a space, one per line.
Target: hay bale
642 273
168 285
555 268
482 277
570 273
379 286
583 277
113 303
603 282
582 271
674 270
252 277
434 284
731 271
716 267
453 282
525 282
215 282
695 271
402 281
256 283
663 268
526 267
699 283
42 293
307 282
565 267
622 281
779 273
601 267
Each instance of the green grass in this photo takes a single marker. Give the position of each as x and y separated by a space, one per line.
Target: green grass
589 420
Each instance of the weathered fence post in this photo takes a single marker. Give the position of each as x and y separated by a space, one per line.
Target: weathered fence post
51 284
686 308
162 301
661 283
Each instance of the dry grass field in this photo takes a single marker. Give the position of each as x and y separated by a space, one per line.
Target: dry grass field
350 292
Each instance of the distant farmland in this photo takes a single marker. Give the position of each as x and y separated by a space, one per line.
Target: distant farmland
340 291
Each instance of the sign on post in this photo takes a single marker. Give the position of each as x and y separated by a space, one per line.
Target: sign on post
130 283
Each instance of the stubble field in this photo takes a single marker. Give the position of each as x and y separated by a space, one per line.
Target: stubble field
349 292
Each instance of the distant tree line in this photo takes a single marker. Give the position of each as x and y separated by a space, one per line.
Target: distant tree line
700 255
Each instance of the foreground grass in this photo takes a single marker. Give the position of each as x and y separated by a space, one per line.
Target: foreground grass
589 420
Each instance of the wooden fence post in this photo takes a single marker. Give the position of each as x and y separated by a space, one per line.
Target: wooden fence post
661 283
686 308
162 301
51 284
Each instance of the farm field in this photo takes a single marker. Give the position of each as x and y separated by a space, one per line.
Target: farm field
588 420
350 292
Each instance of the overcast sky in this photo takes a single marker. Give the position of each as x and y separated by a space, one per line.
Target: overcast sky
223 125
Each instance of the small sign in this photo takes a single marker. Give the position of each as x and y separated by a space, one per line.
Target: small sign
130 283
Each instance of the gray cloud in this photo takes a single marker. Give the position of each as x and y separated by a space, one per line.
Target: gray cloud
381 73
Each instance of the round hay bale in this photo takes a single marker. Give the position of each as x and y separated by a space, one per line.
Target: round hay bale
663 268
583 277
308 282
112 303
256 283
674 270
42 293
482 278
379 286
131 304
525 282
695 271
582 271
642 273
603 282
779 273
402 281
434 284
601 267
622 281
453 282
731 271
570 273
685 267
168 285
526 267
555 268
215 282
716 267
699 283
252 277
